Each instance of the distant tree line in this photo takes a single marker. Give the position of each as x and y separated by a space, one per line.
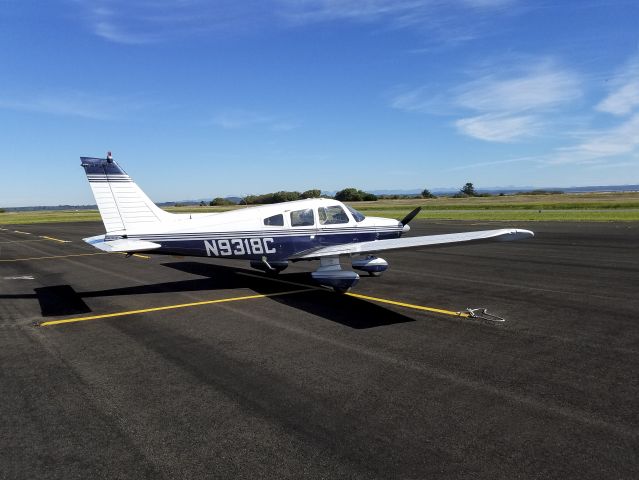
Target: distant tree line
346 195
220 202
353 195
267 198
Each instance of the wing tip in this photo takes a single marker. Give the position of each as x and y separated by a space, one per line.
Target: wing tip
516 234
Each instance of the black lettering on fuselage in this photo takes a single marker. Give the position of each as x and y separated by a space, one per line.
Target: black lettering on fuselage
239 246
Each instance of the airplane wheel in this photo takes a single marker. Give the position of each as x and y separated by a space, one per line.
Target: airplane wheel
341 291
374 274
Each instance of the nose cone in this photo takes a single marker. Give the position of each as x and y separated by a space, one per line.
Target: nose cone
406 228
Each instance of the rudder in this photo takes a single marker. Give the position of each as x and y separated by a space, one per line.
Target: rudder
122 204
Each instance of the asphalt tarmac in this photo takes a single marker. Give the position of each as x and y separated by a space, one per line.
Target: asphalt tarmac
244 376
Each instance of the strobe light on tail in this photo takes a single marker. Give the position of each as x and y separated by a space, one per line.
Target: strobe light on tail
269 237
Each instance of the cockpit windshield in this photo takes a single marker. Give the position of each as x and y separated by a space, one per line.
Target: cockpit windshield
356 215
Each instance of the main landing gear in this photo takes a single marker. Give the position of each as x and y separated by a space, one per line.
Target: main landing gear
330 274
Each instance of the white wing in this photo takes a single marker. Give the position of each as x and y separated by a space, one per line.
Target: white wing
502 235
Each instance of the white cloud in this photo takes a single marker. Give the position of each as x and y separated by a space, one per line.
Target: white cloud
515 105
488 3
622 140
495 162
73 104
542 87
498 127
624 97
127 22
109 31
238 118
400 12
416 100
123 21
512 104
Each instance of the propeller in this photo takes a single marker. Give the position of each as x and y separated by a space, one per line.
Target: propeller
404 221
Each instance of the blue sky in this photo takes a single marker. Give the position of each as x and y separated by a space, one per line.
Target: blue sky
209 98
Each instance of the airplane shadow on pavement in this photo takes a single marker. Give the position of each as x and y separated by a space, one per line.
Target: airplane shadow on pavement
64 300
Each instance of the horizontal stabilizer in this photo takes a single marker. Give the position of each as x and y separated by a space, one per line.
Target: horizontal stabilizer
502 235
123 245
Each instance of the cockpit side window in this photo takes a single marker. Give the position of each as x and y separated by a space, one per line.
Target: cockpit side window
332 215
302 218
275 220
358 216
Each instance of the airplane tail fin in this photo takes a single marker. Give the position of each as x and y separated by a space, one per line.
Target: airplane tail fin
121 202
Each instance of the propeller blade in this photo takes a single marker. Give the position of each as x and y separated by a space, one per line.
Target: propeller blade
410 216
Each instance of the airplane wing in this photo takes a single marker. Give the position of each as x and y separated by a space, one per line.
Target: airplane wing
122 245
502 235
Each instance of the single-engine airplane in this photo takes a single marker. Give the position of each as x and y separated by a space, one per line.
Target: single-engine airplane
268 236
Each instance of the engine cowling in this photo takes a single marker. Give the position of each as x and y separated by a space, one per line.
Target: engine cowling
371 264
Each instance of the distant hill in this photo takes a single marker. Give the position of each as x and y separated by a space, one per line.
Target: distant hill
512 189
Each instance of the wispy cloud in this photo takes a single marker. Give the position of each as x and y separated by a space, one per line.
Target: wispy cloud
510 103
126 22
238 118
420 100
624 95
516 105
400 12
441 24
617 145
499 127
72 104
540 87
621 140
496 162
110 31
513 104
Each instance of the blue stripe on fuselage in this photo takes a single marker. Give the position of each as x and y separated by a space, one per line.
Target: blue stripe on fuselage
257 246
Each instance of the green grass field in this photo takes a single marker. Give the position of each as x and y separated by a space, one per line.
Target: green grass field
599 207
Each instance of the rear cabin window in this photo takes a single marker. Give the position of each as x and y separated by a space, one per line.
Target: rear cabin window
332 215
302 218
277 220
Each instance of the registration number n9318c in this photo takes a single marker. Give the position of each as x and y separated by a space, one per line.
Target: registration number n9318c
239 246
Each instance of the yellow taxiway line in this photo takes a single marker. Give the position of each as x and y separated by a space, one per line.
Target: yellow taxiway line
23 241
409 305
366 297
170 307
54 256
40 239
55 239
71 255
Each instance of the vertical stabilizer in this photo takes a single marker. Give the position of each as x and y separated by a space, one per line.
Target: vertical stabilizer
122 204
